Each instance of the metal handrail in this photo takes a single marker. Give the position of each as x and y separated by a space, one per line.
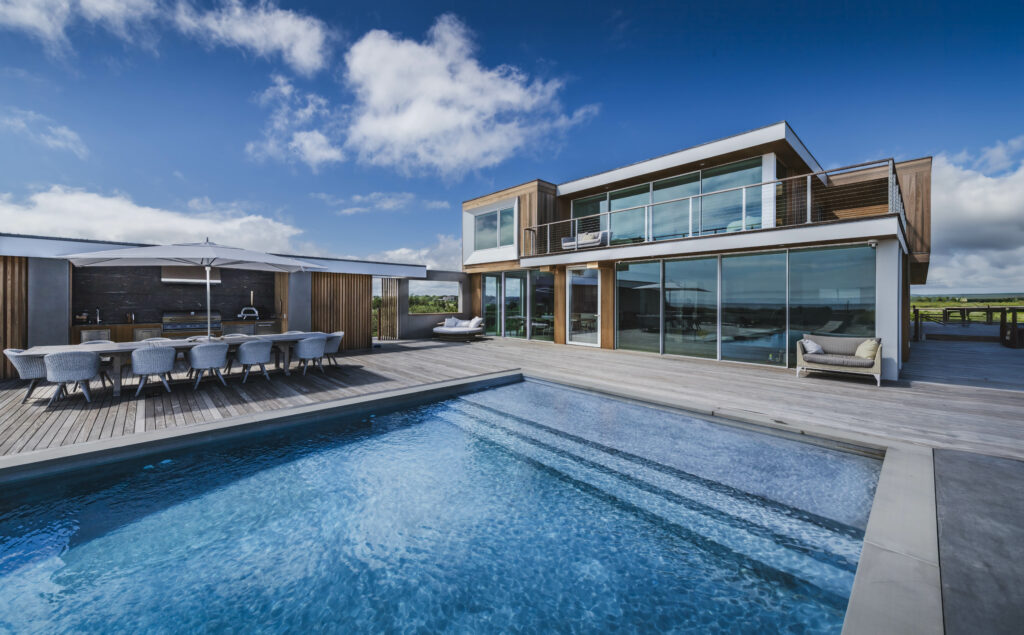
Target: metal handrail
895 195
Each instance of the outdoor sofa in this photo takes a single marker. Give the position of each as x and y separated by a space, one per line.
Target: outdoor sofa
456 330
583 240
840 355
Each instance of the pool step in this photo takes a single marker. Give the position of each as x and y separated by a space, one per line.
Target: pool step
702 513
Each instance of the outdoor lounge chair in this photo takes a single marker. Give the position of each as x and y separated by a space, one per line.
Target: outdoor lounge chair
838 356
456 330
583 240
29 367
153 360
68 366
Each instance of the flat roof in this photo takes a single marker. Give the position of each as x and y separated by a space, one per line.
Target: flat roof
32 246
775 132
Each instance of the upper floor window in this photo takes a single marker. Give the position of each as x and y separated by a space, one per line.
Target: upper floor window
495 229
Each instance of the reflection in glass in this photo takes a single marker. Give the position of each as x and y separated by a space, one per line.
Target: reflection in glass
724 212
672 219
508 226
583 305
492 308
831 292
590 206
691 307
628 226
638 296
515 304
542 300
486 235
754 308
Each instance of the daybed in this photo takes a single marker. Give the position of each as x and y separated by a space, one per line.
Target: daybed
583 240
456 330
841 355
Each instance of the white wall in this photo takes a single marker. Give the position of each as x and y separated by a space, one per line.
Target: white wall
888 301
470 256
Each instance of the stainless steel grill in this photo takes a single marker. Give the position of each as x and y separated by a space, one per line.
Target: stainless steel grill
189 322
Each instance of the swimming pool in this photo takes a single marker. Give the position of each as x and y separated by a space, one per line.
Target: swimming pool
529 506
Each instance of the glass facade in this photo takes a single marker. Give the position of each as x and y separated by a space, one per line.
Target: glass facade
628 226
492 304
754 308
831 292
638 305
723 212
515 303
542 306
670 218
691 307
494 229
590 206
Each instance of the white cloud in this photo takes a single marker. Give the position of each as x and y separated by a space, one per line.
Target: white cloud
76 213
313 148
978 221
377 202
432 106
43 130
301 41
301 127
445 254
48 20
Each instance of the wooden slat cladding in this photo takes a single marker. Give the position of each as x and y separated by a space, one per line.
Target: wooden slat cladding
387 325
536 206
559 305
13 308
607 307
916 185
343 302
281 299
476 295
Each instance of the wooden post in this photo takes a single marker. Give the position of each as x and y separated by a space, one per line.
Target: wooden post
917 324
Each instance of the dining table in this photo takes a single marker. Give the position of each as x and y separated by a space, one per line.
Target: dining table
120 352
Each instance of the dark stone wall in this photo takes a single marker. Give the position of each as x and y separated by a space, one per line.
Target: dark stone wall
117 290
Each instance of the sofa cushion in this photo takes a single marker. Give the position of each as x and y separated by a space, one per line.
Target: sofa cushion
867 349
476 322
452 321
836 345
464 324
850 361
456 330
811 347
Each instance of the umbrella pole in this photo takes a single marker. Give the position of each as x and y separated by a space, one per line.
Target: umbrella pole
208 333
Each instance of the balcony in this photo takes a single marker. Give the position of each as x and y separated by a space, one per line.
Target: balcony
848 193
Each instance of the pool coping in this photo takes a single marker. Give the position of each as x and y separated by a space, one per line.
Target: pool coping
896 589
60 460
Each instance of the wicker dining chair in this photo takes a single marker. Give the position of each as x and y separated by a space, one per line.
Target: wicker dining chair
153 360
106 362
71 366
30 368
333 345
205 358
254 353
311 349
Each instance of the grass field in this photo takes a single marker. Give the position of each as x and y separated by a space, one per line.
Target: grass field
933 305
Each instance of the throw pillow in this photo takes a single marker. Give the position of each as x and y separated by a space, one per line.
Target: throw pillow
476 322
463 324
867 349
450 322
812 348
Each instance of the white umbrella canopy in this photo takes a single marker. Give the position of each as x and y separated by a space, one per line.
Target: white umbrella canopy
204 254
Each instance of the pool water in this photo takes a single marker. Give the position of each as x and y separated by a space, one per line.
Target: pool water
526 507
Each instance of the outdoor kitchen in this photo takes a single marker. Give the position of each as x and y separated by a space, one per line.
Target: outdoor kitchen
135 303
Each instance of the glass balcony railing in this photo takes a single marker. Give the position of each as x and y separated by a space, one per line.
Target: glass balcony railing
858 191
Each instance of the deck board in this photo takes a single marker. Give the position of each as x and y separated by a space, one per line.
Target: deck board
933 406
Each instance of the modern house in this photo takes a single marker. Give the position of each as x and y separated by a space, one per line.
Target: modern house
729 250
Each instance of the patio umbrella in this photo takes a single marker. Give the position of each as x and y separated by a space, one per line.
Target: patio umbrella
204 254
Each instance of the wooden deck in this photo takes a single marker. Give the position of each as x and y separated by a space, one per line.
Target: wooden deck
931 408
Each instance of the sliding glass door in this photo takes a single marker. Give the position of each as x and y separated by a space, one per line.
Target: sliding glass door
515 303
492 304
542 306
638 305
754 308
691 307
583 290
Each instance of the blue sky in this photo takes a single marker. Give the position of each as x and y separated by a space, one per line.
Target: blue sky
358 130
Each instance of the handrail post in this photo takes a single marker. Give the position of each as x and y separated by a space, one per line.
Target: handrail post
917 324
808 198
743 210
548 241
689 231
